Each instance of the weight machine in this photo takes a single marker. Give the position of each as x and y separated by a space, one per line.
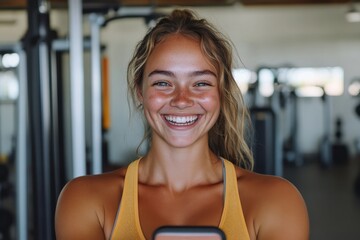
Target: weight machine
39 109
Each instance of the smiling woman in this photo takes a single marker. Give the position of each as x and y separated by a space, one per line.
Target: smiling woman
198 166
179 92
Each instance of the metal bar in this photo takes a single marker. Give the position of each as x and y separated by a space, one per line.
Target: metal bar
278 157
38 70
7 47
95 21
46 132
63 45
134 12
57 154
21 153
77 88
326 145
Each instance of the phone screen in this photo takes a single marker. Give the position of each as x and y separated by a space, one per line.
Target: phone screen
188 233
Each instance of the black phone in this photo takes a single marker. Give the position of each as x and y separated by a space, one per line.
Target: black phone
189 233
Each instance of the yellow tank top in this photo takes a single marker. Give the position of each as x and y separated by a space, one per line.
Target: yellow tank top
127 222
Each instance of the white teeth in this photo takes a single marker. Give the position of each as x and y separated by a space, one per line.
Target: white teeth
177 120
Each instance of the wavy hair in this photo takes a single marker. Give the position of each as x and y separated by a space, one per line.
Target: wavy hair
227 136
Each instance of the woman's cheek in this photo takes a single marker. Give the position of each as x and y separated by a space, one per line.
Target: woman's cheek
154 100
211 101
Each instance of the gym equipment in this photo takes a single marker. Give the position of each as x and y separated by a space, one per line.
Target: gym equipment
326 158
4 173
354 90
18 155
21 156
6 221
287 84
269 150
44 105
6 216
77 87
340 151
42 111
263 121
357 185
290 149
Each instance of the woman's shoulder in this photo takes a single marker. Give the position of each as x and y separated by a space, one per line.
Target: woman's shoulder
266 190
89 201
94 184
266 184
272 203
93 190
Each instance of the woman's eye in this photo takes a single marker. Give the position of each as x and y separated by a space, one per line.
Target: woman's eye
202 84
161 84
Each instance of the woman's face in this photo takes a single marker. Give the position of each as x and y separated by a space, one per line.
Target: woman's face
179 92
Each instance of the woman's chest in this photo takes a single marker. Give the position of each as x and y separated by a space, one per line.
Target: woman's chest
194 207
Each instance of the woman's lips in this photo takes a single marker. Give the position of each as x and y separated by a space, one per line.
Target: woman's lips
181 120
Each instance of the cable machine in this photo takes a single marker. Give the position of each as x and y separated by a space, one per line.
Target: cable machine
9 97
39 110
43 147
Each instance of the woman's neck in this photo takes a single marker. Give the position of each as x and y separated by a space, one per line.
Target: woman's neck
180 168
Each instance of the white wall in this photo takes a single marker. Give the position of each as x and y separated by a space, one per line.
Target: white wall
126 131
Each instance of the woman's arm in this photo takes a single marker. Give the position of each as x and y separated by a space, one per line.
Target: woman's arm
78 212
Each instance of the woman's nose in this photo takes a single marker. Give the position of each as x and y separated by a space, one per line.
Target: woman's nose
182 98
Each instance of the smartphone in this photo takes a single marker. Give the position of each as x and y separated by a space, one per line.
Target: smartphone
188 233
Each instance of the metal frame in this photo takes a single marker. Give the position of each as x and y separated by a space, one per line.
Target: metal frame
42 131
77 88
21 162
325 150
96 21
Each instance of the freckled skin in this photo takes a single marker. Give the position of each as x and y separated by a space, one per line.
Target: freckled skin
189 86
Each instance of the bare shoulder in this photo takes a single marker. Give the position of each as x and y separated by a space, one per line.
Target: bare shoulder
93 185
266 185
85 203
274 205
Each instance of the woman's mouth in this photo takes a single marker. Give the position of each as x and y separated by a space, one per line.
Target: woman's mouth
181 120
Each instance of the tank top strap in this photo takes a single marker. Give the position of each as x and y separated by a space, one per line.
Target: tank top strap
127 223
232 220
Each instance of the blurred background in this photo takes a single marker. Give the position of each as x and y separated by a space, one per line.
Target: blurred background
64 108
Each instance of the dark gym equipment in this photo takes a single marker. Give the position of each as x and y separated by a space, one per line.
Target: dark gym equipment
326 159
357 180
340 151
357 110
263 121
6 216
357 185
42 118
290 149
6 220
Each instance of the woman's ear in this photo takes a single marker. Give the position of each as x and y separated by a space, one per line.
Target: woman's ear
139 94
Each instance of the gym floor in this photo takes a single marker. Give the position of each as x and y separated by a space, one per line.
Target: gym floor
334 208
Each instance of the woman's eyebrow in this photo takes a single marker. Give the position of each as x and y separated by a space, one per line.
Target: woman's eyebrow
202 72
191 74
161 72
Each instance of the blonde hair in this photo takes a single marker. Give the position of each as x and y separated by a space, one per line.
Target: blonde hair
227 136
